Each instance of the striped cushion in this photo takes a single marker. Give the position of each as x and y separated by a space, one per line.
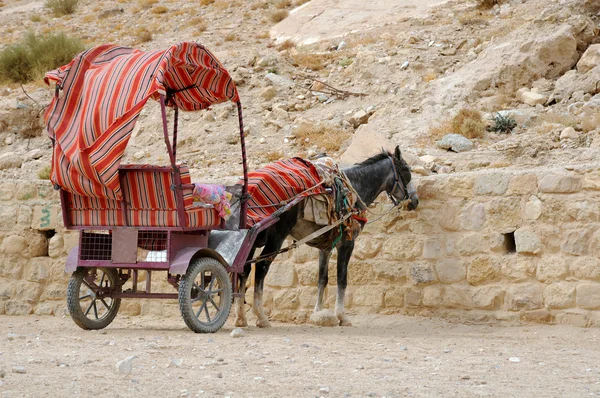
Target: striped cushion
150 202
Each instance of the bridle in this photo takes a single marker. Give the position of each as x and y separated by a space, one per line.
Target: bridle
398 184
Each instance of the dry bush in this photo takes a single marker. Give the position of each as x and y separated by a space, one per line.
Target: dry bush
199 23
487 4
206 2
298 3
145 4
326 137
62 7
282 4
467 122
429 76
472 18
35 18
35 55
311 61
262 4
286 45
273 156
159 10
44 173
564 119
230 37
262 35
279 15
142 35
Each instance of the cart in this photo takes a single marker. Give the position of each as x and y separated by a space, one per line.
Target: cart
134 220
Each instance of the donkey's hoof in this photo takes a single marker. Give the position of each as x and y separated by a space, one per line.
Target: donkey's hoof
241 322
263 323
324 318
345 321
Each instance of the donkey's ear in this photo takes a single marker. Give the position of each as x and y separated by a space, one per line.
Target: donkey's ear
397 152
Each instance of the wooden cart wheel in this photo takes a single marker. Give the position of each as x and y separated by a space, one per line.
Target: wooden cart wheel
205 295
88 297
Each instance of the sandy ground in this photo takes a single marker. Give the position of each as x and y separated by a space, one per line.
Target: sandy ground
380 356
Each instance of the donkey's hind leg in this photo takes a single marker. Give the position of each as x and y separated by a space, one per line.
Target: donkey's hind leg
324 257
240 302
344 252
260 272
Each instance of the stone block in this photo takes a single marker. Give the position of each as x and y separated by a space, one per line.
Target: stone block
450 270
128 307
527 241
559 183
26 191
533 208
519 268
390 271
421 274
492 184
504 213
394 297
559 295
286 300
457 186
413 297
8 217
12 266
7 191
473 217
17 307
488 297
359 272
401 248
537 316
457 297
29 291
482 270
281 274
588 295
585 268
308 274
590 59
448 217
38 245
472 243
584 211
577 318
37 269
434 248
152 307
308 296
367 248
524 296
552 268
368 296
44 218
25 216
14 244
523 184
46 309
7 289
433 296
55 246
576 241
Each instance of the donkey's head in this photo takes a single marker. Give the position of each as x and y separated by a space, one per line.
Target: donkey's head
400 187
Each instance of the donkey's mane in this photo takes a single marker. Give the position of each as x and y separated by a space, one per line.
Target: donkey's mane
375 158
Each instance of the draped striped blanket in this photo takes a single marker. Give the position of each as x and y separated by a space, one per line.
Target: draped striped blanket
103 92
279 182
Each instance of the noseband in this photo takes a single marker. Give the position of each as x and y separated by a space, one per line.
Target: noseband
398 184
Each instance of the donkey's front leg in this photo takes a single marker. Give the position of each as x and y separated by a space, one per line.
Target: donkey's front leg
239 302
324 257
344 252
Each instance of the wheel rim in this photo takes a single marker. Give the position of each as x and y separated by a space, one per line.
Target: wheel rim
94 295
207 297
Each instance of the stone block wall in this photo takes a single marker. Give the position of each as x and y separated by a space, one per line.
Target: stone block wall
497 245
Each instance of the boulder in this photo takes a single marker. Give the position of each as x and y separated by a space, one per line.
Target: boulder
533 99
455 143
10 160
590 59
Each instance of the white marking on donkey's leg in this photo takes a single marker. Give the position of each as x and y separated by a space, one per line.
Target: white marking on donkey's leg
257 309
340 311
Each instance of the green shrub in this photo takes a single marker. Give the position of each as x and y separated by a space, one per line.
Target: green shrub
37 54
44 173
62 7
502 124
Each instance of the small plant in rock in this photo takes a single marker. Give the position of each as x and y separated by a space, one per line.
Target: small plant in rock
44 173
62 7
502 124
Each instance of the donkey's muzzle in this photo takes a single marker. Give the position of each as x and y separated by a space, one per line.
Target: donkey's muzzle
412 195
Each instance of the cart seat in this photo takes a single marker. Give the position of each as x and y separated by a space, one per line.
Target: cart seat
149 202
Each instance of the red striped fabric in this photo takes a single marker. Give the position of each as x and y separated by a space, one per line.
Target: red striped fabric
150 203
279 182
104 91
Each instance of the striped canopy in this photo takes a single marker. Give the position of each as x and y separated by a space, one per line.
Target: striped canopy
103 92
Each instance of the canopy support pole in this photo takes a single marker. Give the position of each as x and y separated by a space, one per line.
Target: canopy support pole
244 198
163 110
175 122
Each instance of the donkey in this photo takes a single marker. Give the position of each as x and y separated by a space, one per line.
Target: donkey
383 172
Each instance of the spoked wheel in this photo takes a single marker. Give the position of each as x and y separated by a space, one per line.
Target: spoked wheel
89 297
205 296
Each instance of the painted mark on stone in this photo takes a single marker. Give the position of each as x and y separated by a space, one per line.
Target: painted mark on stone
45 218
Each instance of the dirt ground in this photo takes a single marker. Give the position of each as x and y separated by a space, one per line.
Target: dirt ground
391 356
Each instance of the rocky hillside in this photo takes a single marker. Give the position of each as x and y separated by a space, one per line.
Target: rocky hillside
376 81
